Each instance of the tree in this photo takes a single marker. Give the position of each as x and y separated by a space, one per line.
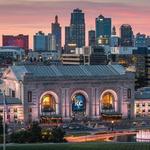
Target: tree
1 126
35 130
21 137
57 135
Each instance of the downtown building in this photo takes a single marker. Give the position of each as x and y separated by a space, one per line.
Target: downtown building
77 28
126 35
73 92
75 33
20 40
103 30
94 55
91 38
44 42
56 31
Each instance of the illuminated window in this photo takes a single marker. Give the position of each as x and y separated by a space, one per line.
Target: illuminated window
108 101
48 103
15 109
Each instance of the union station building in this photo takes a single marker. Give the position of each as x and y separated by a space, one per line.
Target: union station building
72 92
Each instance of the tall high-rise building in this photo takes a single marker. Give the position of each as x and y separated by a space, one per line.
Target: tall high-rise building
103 27
77 28
44 42
98 56
67 35
20 40
126 35
40 42
51 40
91 38
140 40
56 30
114 30
148 41
114 40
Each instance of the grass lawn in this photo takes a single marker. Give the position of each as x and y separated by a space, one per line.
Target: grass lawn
84 146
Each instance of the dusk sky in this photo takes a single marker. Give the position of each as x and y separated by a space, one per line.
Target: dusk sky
30 16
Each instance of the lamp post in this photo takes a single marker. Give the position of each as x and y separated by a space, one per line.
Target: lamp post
112 125
4 126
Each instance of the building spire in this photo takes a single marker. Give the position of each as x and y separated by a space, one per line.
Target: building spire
56 19
114 30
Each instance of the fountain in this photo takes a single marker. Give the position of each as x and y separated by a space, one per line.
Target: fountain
143 136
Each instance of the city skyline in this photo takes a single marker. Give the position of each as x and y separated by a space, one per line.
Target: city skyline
34 15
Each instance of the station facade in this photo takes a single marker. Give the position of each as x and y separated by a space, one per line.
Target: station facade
73 92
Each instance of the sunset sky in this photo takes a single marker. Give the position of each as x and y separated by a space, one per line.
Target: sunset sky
30 16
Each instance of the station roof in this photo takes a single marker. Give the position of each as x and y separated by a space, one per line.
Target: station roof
68 70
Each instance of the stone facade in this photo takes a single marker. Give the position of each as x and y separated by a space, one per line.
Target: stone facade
64 88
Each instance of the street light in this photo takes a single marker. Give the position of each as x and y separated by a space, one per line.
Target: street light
112 125
4 126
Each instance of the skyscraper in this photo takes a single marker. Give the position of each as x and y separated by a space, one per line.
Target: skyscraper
44 42
114 30
56 30
40 42
77 28
92 38
51 40
20 40
126 35
140 40
67 35
114 40
103 27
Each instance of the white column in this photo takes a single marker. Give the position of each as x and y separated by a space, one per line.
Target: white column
97 102
65 103
68 104
93 103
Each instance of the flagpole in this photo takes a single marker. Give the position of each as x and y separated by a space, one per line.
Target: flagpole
4 125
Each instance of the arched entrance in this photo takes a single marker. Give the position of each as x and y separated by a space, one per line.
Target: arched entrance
49 109
48 105
108 101
109 106
79 105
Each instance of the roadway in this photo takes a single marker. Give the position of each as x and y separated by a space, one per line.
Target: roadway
99 136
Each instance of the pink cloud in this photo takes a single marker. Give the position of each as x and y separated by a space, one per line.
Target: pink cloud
26 18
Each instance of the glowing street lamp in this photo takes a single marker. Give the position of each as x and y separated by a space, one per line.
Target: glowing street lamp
112 125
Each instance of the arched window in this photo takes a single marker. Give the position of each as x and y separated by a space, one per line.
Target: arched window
48 103
78 103
108 101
